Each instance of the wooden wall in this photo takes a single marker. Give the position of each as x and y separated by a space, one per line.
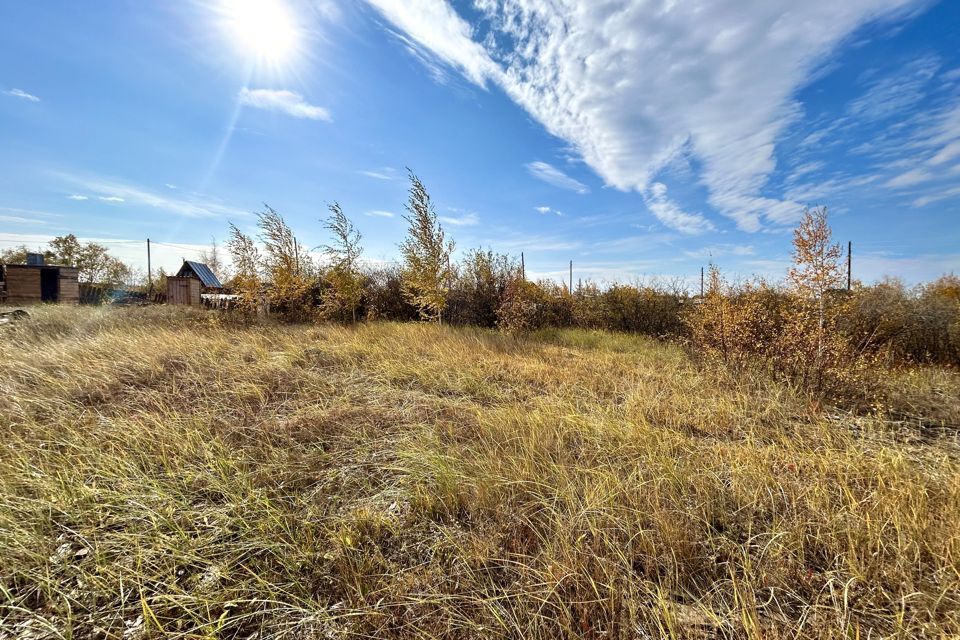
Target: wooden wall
69 286
183 290
23 284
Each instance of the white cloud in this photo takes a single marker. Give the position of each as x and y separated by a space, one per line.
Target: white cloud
671 215
464 220
20 220
717 251
895 93
632 85
545 210
283 101
20 93
433 31
551 175
386 173
170 186
909 179
192 206
379 213
77 196
937 196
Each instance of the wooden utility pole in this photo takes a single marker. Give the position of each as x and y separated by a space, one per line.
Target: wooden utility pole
701 282
149 270
571 277
849 262
523 268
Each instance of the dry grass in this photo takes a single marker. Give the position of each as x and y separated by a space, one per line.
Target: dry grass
168 474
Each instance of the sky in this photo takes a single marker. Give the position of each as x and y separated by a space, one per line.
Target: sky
639 139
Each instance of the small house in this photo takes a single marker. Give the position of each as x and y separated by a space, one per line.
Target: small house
39 282
191 279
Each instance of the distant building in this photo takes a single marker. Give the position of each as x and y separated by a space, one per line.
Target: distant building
192 279
36 282
208 279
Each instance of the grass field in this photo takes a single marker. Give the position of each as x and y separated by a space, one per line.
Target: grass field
173 475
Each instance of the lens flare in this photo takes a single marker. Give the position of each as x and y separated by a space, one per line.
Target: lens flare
265 30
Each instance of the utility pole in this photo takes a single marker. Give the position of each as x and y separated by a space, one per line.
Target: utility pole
149 270
523 268
571 277
701 282
849 262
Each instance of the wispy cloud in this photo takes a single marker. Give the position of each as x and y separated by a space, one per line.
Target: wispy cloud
20 93
283 101
20 220
380 213
937 196
892 94
671 215
77 196
468 219
551 175
386 173
170 186
113 190
717 251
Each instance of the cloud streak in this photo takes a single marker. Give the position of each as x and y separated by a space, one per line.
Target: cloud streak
551 175
671 215
116 191
20 93
283 101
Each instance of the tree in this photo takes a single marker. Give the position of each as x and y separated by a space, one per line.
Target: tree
18 255
213 259
93 261
816 263
346 282
246 264
426 255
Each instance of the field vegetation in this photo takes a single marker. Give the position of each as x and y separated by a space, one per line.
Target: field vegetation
166 473
446 449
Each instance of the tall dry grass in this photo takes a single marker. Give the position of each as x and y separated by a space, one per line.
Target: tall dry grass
169 474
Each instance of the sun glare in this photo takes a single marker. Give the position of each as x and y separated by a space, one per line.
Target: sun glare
262 29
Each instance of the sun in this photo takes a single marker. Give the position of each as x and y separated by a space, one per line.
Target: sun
265 30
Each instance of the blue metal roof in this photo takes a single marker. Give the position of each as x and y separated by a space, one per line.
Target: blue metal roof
202 271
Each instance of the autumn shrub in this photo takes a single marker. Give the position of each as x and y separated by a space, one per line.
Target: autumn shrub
526 306
732 325
340 299
426 250
799 332
638 309
479 285
383 297
282 278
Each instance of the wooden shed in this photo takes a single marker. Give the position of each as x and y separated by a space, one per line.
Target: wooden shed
208 280
33 283
183 290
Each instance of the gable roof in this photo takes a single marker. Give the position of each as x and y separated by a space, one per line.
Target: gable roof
202 271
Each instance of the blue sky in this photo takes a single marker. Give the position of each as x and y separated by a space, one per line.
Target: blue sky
637 139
